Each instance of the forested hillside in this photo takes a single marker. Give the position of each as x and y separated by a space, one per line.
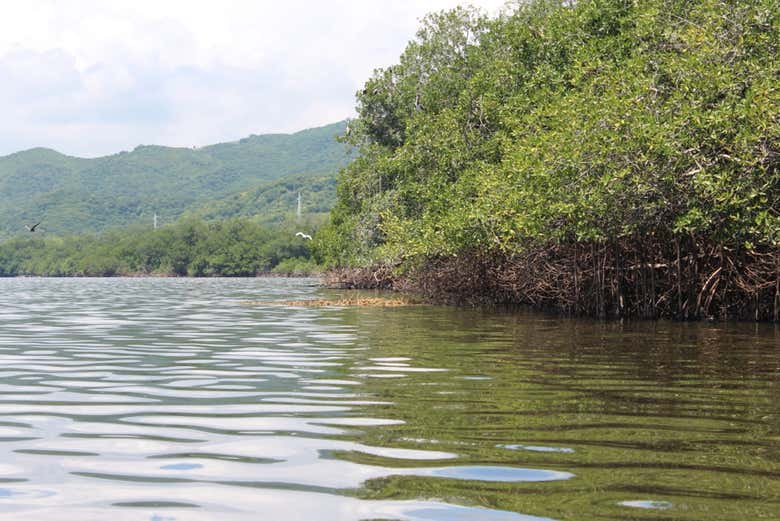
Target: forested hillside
275 201
75 195
611 158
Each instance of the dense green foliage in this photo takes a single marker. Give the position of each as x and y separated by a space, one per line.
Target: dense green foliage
75 195
276 201
568 122
232 247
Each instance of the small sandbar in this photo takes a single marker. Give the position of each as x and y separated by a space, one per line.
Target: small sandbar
342 302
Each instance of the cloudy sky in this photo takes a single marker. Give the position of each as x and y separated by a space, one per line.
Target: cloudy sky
94 77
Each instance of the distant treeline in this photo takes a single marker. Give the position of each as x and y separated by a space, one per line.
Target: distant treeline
610 158
231 248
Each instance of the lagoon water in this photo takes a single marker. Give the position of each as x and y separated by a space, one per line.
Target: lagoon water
176 399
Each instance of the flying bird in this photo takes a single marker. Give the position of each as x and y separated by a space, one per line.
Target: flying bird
303 236
33 227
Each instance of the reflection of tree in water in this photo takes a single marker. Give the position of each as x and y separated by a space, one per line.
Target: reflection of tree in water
675 413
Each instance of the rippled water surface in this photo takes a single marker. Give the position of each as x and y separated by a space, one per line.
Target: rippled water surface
178 399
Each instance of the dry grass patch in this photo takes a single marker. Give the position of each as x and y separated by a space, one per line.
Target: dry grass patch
342 302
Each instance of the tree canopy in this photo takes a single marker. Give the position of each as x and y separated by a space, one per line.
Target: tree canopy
230 247
565 122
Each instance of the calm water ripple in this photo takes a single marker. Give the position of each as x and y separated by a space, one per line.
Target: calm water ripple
173 399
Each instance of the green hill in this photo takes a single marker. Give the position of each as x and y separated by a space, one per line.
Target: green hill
275 201
75 195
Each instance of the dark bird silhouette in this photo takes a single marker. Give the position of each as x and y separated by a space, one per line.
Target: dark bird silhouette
33 227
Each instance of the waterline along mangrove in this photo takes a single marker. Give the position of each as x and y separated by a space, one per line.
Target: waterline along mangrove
606 158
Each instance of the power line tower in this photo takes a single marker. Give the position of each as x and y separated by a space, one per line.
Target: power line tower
299 212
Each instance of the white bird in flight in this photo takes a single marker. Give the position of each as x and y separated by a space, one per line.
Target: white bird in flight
303 236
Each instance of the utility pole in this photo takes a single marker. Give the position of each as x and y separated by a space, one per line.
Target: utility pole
155 220
298 213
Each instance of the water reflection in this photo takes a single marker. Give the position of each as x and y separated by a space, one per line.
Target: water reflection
536 448
656 505
485 473
169 398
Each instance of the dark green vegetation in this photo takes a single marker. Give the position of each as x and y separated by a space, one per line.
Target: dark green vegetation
602 157
75 195
274 202
231 247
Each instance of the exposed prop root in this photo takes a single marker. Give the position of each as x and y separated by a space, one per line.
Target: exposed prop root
374 277
645 277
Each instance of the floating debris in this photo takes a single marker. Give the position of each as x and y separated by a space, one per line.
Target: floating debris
343 302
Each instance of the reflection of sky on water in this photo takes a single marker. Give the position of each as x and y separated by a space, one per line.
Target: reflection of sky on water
182 466
104 378
507 474
648 504
453 513
128 399
537 448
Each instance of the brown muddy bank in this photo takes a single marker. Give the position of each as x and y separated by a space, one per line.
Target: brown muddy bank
680 278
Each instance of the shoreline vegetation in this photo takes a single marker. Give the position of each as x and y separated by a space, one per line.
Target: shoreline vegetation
605 159
238 247
590 280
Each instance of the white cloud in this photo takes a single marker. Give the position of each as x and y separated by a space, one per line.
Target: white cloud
89 77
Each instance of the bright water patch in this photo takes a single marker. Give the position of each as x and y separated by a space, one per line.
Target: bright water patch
24 493
537 448
486 473
454 513
647 504
182 466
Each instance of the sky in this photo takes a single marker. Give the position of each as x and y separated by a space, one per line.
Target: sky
95 77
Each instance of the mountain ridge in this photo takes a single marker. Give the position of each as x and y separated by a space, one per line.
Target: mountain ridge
76 195
154 145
